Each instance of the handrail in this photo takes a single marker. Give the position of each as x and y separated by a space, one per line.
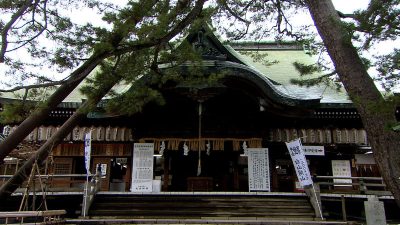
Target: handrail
363 183
52 175
336 177
57 181
92 187
48 216
32 213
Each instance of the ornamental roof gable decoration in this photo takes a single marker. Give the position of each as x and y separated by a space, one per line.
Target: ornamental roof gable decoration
205 48
209 46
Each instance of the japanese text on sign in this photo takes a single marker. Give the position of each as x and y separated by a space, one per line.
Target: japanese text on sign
142 167
258 162
299 161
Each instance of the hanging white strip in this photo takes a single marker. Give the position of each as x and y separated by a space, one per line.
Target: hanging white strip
299 161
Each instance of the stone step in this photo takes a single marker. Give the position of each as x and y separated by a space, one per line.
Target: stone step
198 213
227 220
197 205
198 198
180 206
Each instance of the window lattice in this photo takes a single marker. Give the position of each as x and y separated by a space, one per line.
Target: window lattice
62 168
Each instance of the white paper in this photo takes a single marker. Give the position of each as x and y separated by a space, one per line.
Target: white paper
258 169
341 168
142 167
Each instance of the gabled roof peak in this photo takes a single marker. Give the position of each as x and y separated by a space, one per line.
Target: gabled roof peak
206 42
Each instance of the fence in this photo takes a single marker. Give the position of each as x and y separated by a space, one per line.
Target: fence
361 185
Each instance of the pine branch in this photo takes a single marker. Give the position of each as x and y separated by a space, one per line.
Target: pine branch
192 15
345 16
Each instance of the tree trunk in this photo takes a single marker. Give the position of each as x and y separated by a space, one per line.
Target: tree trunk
376 114
24 171
41 113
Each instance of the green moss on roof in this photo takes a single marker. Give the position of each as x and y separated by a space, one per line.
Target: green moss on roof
283 71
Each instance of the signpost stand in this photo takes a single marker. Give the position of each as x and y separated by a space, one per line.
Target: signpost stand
303 173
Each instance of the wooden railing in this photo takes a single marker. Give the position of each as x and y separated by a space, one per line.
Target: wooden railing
32 217
55 182
362 185
89 189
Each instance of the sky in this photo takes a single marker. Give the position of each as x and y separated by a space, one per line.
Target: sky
349 6
345 6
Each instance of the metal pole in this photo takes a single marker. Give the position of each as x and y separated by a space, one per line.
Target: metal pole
85 195
317 199
343 201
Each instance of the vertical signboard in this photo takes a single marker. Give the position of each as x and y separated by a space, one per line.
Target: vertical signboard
88 150
299 161
259 176
142 167
88 147
341 168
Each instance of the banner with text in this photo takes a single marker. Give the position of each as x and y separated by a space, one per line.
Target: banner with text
88 149
258 169
142 167
299 162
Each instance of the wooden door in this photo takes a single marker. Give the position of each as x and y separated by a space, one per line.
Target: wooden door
105 164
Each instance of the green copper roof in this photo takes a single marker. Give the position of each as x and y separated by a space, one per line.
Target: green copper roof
277 75
281 70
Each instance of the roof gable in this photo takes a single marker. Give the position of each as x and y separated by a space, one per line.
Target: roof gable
210 47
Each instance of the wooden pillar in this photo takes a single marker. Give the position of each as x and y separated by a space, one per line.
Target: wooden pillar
166 173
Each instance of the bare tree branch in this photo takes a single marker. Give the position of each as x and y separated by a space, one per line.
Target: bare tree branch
42 29
48 84
8 26
233 13
283 20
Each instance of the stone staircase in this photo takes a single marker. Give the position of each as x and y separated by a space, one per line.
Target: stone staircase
201 207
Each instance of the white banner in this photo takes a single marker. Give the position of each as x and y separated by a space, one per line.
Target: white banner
258 168
299 162
88 149
314 150
142 167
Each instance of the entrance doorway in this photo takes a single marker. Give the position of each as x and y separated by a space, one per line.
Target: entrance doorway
219 171
114 172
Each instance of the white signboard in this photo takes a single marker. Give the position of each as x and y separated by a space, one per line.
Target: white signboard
299 161
341 168
103 170
258 169
88 147
314 150
142 167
